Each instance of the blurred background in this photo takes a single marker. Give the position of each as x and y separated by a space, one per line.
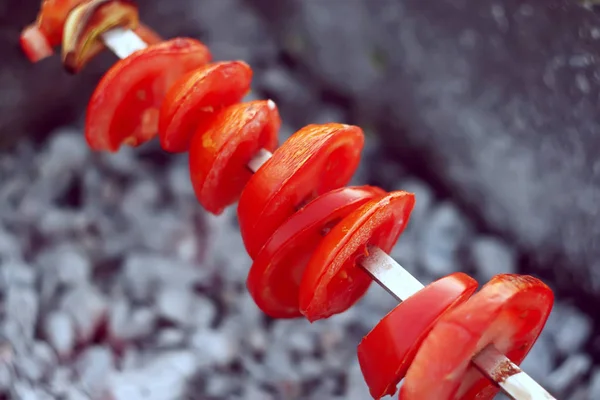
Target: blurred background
115 284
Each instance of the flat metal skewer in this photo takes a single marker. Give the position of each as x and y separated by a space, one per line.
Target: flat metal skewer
384 270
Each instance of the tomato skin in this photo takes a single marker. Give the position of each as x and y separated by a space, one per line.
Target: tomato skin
34 44
332 281
52 16
196 96
125 105
147 34
509 312
219 155
314 160
274 278
386 352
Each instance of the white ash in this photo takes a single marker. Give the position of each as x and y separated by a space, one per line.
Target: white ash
115 283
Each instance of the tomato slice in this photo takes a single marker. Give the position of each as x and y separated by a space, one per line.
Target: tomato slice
35 44
125 105
332 281
196 97
313 161
147 34
219 156
51 18
274 279
509 312
386 352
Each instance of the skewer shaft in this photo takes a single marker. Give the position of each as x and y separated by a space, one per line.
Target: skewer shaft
384 270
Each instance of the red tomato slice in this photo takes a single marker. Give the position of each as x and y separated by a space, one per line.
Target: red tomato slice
313 161
52 16
125 105
196 97
274 279
219 156
386 352
35 44
147 34
509 312
38 39
332 281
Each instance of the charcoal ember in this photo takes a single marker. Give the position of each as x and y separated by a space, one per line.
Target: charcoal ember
21 312
67 263
594 389
10 245
144 273
25 391
170 338
126 324
491 256
37 363
87 306
569 327
541 358
214 348
175 305
568 373
178 178
355 384
443 234
58 329
254 392
61 382
93 367
63 222
17 274
164 377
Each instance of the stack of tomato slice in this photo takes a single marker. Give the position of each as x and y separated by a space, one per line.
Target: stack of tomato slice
305 231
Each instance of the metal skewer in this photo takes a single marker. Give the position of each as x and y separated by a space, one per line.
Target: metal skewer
384 270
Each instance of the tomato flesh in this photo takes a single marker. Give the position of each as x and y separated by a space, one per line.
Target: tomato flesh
52 16
124 106
313 161
387 351
509 312
332 281
196 96
219 156
275 275
34 44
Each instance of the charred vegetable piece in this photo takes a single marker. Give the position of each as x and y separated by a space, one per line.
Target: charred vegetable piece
86 22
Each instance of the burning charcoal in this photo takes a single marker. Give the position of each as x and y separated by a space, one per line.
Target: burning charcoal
491 256
175 305
93 368
69 264
574 368
59 331
21 307
163 378
87 307
442 234
213 348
